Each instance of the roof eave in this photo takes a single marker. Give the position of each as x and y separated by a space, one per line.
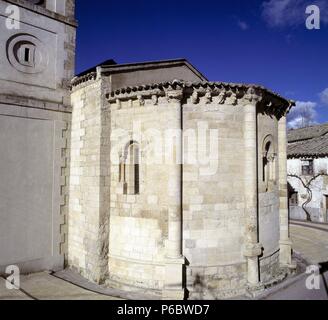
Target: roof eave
307 155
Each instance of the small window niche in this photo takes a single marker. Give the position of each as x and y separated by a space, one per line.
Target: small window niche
129 169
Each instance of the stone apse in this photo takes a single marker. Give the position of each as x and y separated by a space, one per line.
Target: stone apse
169 223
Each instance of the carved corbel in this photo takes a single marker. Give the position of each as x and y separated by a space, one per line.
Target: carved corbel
221 97
208 97
141 100
251 96
194 97
232 99
174 95
154 99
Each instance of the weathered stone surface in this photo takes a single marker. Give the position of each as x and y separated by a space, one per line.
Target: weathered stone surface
195 205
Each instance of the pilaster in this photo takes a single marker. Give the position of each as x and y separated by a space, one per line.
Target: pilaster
253 248
174 264
285 241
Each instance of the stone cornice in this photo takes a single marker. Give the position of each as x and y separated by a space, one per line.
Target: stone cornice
76 81
28 102
205 93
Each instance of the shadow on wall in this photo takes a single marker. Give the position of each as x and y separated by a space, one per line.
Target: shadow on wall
201 289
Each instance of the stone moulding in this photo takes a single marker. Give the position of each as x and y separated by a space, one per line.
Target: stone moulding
83 79
34 103
205 93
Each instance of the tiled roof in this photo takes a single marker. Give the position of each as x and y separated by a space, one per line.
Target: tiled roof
308 142
307 133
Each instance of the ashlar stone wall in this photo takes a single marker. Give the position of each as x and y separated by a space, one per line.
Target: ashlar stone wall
213 198
139 220
90 182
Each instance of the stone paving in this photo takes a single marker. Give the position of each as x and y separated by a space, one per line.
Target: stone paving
6 294
311 243
44 286
310 240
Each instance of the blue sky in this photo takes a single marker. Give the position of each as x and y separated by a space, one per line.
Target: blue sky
256 41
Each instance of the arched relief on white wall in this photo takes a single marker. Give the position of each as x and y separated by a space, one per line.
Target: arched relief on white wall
269 157
27 54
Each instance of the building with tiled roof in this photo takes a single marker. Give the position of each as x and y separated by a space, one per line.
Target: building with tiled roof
310 141
308 166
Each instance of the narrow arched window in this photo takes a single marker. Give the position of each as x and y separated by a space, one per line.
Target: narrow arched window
130 169
268 163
